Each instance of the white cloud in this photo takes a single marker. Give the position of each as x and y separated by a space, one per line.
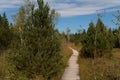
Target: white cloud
7 4
82 7
69 7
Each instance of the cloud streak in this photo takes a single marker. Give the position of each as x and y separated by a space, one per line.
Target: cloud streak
68 8
6 4
11 4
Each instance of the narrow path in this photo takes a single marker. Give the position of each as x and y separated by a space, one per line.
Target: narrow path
72 71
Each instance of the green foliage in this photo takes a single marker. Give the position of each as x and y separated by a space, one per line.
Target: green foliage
98 41
116 34
88 43
5 32
78 37
117 31
36 49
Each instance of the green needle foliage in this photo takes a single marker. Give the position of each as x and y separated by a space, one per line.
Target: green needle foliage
117 31
36 49
98 41
88 43
5 32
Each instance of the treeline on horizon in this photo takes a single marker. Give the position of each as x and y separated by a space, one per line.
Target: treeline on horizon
98 40
34 45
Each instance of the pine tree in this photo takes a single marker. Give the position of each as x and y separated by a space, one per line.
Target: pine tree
88 45
5 33
49 45
98 41
111 38
103 43
117 34
39 52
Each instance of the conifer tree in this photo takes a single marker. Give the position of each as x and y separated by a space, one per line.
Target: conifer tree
103 43
88 45
39 52
117 34
98 41
5 33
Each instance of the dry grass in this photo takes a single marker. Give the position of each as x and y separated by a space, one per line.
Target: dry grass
116 53
100 68
2 66
66 52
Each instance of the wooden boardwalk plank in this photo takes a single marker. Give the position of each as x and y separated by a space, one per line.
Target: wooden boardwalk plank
72 71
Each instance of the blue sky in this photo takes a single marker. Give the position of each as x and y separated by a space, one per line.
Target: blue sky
73 13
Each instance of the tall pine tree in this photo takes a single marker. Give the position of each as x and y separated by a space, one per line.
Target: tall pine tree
98 41
39 52
88 44
5 33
